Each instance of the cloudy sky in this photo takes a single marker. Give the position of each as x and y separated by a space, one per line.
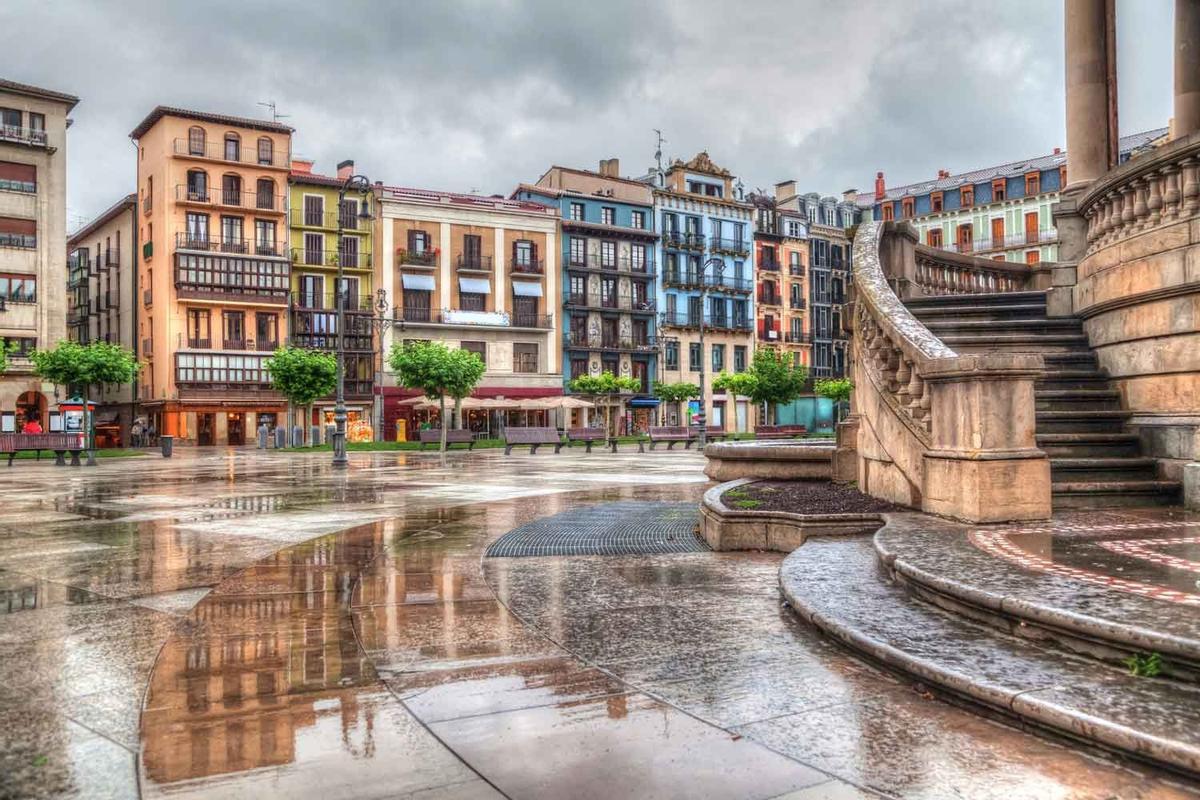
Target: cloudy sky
478 95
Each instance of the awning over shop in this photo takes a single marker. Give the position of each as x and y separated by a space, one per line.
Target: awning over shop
475 285
644 402
527 288
422 283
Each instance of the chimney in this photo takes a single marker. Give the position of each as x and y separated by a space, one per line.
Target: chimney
302 166
1058 151
880 188
345 169
785 189
610 167
850 195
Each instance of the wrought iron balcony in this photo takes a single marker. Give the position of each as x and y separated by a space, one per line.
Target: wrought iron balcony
738 247
418 258
582 340
244 247
616 302
327 220
33 137
217 151
330 258
695 280
683 240
534 266
315 301
469 318
680 319
478 263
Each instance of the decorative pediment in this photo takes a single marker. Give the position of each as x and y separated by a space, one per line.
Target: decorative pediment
702 163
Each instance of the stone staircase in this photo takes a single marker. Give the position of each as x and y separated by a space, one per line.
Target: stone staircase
1094 461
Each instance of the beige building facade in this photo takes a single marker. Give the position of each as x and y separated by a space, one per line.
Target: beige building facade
33 249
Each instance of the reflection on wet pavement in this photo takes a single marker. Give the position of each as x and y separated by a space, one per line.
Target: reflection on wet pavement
288 631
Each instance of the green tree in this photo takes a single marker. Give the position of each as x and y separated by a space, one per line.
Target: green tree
836 389
675 392
6 349
773 378
605 385
302 376
439 372
82 366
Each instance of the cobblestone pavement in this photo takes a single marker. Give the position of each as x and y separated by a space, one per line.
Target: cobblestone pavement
244 624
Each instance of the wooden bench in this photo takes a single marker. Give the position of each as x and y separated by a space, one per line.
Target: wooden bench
58 443
588 436
669 434
712 433
533 437
779 431
457 436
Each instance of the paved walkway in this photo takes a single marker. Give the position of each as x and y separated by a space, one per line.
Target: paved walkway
282 629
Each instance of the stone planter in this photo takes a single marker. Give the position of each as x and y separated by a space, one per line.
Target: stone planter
774 460
725 528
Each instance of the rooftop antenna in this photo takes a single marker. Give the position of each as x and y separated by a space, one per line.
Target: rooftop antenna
658 151
275 115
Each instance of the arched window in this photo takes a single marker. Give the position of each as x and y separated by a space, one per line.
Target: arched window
231 190
266 193
197 185
195 141
266 151
233 147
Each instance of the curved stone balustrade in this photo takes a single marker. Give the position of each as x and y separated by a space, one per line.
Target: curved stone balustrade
950 434
942 272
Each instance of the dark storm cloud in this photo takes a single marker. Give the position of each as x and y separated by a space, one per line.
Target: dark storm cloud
481 95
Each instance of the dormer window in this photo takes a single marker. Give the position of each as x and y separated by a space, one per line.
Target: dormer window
967 193
1033 184
999 187
889 212
906 208
935 202
608 215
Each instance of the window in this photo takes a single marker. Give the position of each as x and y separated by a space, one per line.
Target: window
608 216
1033 257
579 366
197 185
314 246
718 358
793 229
266 151
233 147
472 301
694 356
577 212
17 288
739 358
934 237
608 292
608 255
637 219
18 177
418 241
264 238
998 189
234 329
525 357
198 332
265 194
576 251
195 141
637 257
314 210
967 196
524 253
37 127
10 118
478 348
348 214
935 202
998 232
232 240
16 232
472 256
671 355
1033 183
906 207
231 190
964 238
888 213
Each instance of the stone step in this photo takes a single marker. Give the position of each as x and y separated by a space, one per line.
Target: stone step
1114 494
1068 325
981 312
1080 421
1076 360
1089 445
1076 399
1067 379
1043 343
838 585
1102 469
997 299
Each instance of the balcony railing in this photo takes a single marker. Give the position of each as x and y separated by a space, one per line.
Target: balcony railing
330 258
244 247
525 362
34 137
217 152
684 240
535 266
617 302
734 246
147 347
327 220
768 299
148 297
595 261
798 303
327 302
769 266
500 319
422 258
796 270
474 262
582 340
795 337
695 280
197 343
680 319
234 198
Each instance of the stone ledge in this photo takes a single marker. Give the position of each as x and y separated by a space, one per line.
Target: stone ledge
799 461
724 528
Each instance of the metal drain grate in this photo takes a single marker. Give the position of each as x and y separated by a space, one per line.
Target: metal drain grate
608 529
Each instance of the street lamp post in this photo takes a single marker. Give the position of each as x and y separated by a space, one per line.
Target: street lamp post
718 265
360 184
381 322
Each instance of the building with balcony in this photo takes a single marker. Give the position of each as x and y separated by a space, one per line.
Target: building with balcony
102 305
610 291
1001 212
706 258
781 278
475 272
33 251
324 237
828 274
214 270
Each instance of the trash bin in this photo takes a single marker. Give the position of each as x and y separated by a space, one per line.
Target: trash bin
401 430
167 443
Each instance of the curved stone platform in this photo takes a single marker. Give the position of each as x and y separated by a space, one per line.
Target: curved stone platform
1103 585
1152 720
779 460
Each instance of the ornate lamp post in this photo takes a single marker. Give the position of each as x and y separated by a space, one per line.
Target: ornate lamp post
360 184
718 265
380 322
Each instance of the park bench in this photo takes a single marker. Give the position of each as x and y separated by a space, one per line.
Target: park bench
779 431
533 437
58 443
457 436
588 436
712 433
669 434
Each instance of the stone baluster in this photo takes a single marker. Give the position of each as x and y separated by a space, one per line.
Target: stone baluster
1171 193
916 394
1140 210
903 377
1112 216
1154 202
1191 187
1127 192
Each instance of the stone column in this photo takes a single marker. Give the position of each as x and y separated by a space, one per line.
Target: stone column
1187 68
1087 69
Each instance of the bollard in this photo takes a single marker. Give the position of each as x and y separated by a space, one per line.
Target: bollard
297 436
167 443
280 437
262 437
314 435
330 430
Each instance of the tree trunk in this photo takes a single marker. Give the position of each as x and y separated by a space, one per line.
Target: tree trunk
458 412
444 420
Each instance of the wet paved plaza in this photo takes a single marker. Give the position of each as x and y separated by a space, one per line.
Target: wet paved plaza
244 624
